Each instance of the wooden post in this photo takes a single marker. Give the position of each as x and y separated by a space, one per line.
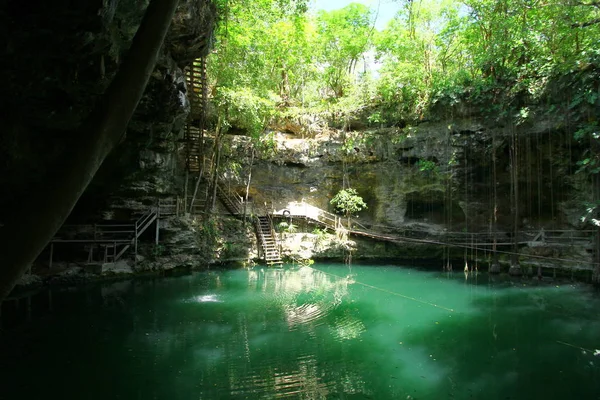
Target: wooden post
28 308
185 190
157 227
135 243
51 254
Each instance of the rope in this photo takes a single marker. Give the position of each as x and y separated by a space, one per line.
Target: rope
387 291
426 241
433 305
368 233
576 347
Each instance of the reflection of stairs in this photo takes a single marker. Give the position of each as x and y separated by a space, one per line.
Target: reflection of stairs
268 244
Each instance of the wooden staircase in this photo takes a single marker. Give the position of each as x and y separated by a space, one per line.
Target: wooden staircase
197 88
194 133
267 241
232 204
193 143
195 76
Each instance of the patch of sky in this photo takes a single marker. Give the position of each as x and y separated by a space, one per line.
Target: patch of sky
385 10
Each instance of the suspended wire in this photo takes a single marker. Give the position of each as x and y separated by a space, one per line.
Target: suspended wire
387 291
439 242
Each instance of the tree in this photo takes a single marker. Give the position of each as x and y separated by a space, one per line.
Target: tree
29 229
348 202
344 36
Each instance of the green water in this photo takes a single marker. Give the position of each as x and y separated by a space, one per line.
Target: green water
332 332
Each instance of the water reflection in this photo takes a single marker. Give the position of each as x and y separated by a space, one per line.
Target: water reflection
223 334
303 333
310 306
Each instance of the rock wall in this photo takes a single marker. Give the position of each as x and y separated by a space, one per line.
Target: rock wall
63 56
436 175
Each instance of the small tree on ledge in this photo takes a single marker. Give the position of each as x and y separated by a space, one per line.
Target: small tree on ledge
347 201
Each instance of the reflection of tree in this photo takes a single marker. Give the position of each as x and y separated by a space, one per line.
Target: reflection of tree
279 333
307 300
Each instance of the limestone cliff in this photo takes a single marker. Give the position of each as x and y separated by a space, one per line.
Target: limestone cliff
62 57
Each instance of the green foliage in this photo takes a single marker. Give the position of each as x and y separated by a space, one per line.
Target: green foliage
308 262
208 231
267 145
320 232
286 227
245 109
426 166
497 54
305 262
348 202
158 250
375 118
344 36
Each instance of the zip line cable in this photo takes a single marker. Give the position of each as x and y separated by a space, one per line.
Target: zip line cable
594 352
426 241
387 291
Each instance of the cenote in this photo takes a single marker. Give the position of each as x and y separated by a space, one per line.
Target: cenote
139 139
330 331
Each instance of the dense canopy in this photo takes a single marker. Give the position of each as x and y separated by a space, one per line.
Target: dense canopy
270 58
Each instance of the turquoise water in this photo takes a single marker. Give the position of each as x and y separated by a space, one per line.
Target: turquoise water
328 332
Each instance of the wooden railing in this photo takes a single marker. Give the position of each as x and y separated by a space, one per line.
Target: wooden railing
310 212
259 233
170 206
486 238
196 86
113 239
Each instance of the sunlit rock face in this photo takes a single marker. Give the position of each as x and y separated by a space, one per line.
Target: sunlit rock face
435 175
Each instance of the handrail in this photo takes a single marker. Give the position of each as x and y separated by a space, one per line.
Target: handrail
124 235
145 218
300 209
261 237
236 204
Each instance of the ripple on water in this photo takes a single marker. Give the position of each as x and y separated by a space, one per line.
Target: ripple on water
347 327
205 298
305 314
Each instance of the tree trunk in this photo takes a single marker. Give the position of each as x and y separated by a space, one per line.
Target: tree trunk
30 228
248 184
596 247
